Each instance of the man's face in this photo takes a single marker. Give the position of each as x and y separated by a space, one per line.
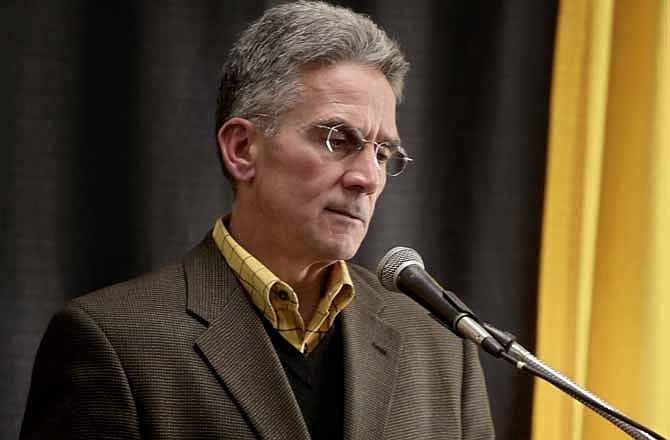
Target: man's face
312 205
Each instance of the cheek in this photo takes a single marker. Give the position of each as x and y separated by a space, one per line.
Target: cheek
296 182
290 160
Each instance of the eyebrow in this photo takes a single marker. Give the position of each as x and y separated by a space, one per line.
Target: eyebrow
331 122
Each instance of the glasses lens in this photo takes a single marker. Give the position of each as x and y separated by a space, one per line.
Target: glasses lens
396 165
340 140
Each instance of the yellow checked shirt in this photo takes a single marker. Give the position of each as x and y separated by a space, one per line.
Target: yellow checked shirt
277 300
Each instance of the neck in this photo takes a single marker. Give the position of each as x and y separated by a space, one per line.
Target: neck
305 276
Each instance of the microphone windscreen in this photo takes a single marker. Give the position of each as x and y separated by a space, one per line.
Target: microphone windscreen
394 262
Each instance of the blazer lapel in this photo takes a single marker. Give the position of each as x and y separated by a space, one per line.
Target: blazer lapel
371 355
237 347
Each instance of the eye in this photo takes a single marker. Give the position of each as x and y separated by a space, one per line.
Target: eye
342 139
338 139
384 153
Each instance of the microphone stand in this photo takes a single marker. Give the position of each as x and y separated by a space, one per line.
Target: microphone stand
516 354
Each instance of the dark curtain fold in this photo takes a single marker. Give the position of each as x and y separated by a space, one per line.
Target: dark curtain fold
108 167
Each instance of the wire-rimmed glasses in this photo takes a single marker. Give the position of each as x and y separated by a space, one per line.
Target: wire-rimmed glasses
342 140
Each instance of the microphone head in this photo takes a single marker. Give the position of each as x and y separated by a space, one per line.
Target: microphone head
394 262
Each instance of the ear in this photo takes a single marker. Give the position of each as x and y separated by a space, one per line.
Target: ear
237 138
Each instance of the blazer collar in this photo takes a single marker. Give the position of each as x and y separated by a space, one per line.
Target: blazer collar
237 347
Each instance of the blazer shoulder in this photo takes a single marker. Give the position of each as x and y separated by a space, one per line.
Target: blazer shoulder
403 314
155 298
159 286
395 303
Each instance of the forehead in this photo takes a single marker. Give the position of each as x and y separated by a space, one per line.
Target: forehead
360 95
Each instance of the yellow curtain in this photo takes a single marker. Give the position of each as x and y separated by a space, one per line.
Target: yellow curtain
604 306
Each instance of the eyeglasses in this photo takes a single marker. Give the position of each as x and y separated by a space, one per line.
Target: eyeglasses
342 140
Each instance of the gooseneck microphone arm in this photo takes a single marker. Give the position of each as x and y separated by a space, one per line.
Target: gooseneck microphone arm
402 270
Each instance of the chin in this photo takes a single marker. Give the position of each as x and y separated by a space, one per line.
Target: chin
341 249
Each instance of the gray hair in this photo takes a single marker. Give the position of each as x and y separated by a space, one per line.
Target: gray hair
260 79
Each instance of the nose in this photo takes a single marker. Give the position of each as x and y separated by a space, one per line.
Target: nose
363 174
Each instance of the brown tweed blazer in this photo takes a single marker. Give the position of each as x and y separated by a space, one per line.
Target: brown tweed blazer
181 354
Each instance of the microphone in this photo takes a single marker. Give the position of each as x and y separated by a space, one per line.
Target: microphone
402 270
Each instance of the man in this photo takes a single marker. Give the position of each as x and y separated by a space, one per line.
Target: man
263 330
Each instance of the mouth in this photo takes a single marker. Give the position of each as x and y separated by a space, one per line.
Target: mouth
345 213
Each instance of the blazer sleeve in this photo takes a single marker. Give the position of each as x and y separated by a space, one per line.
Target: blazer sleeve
79 389
476 414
